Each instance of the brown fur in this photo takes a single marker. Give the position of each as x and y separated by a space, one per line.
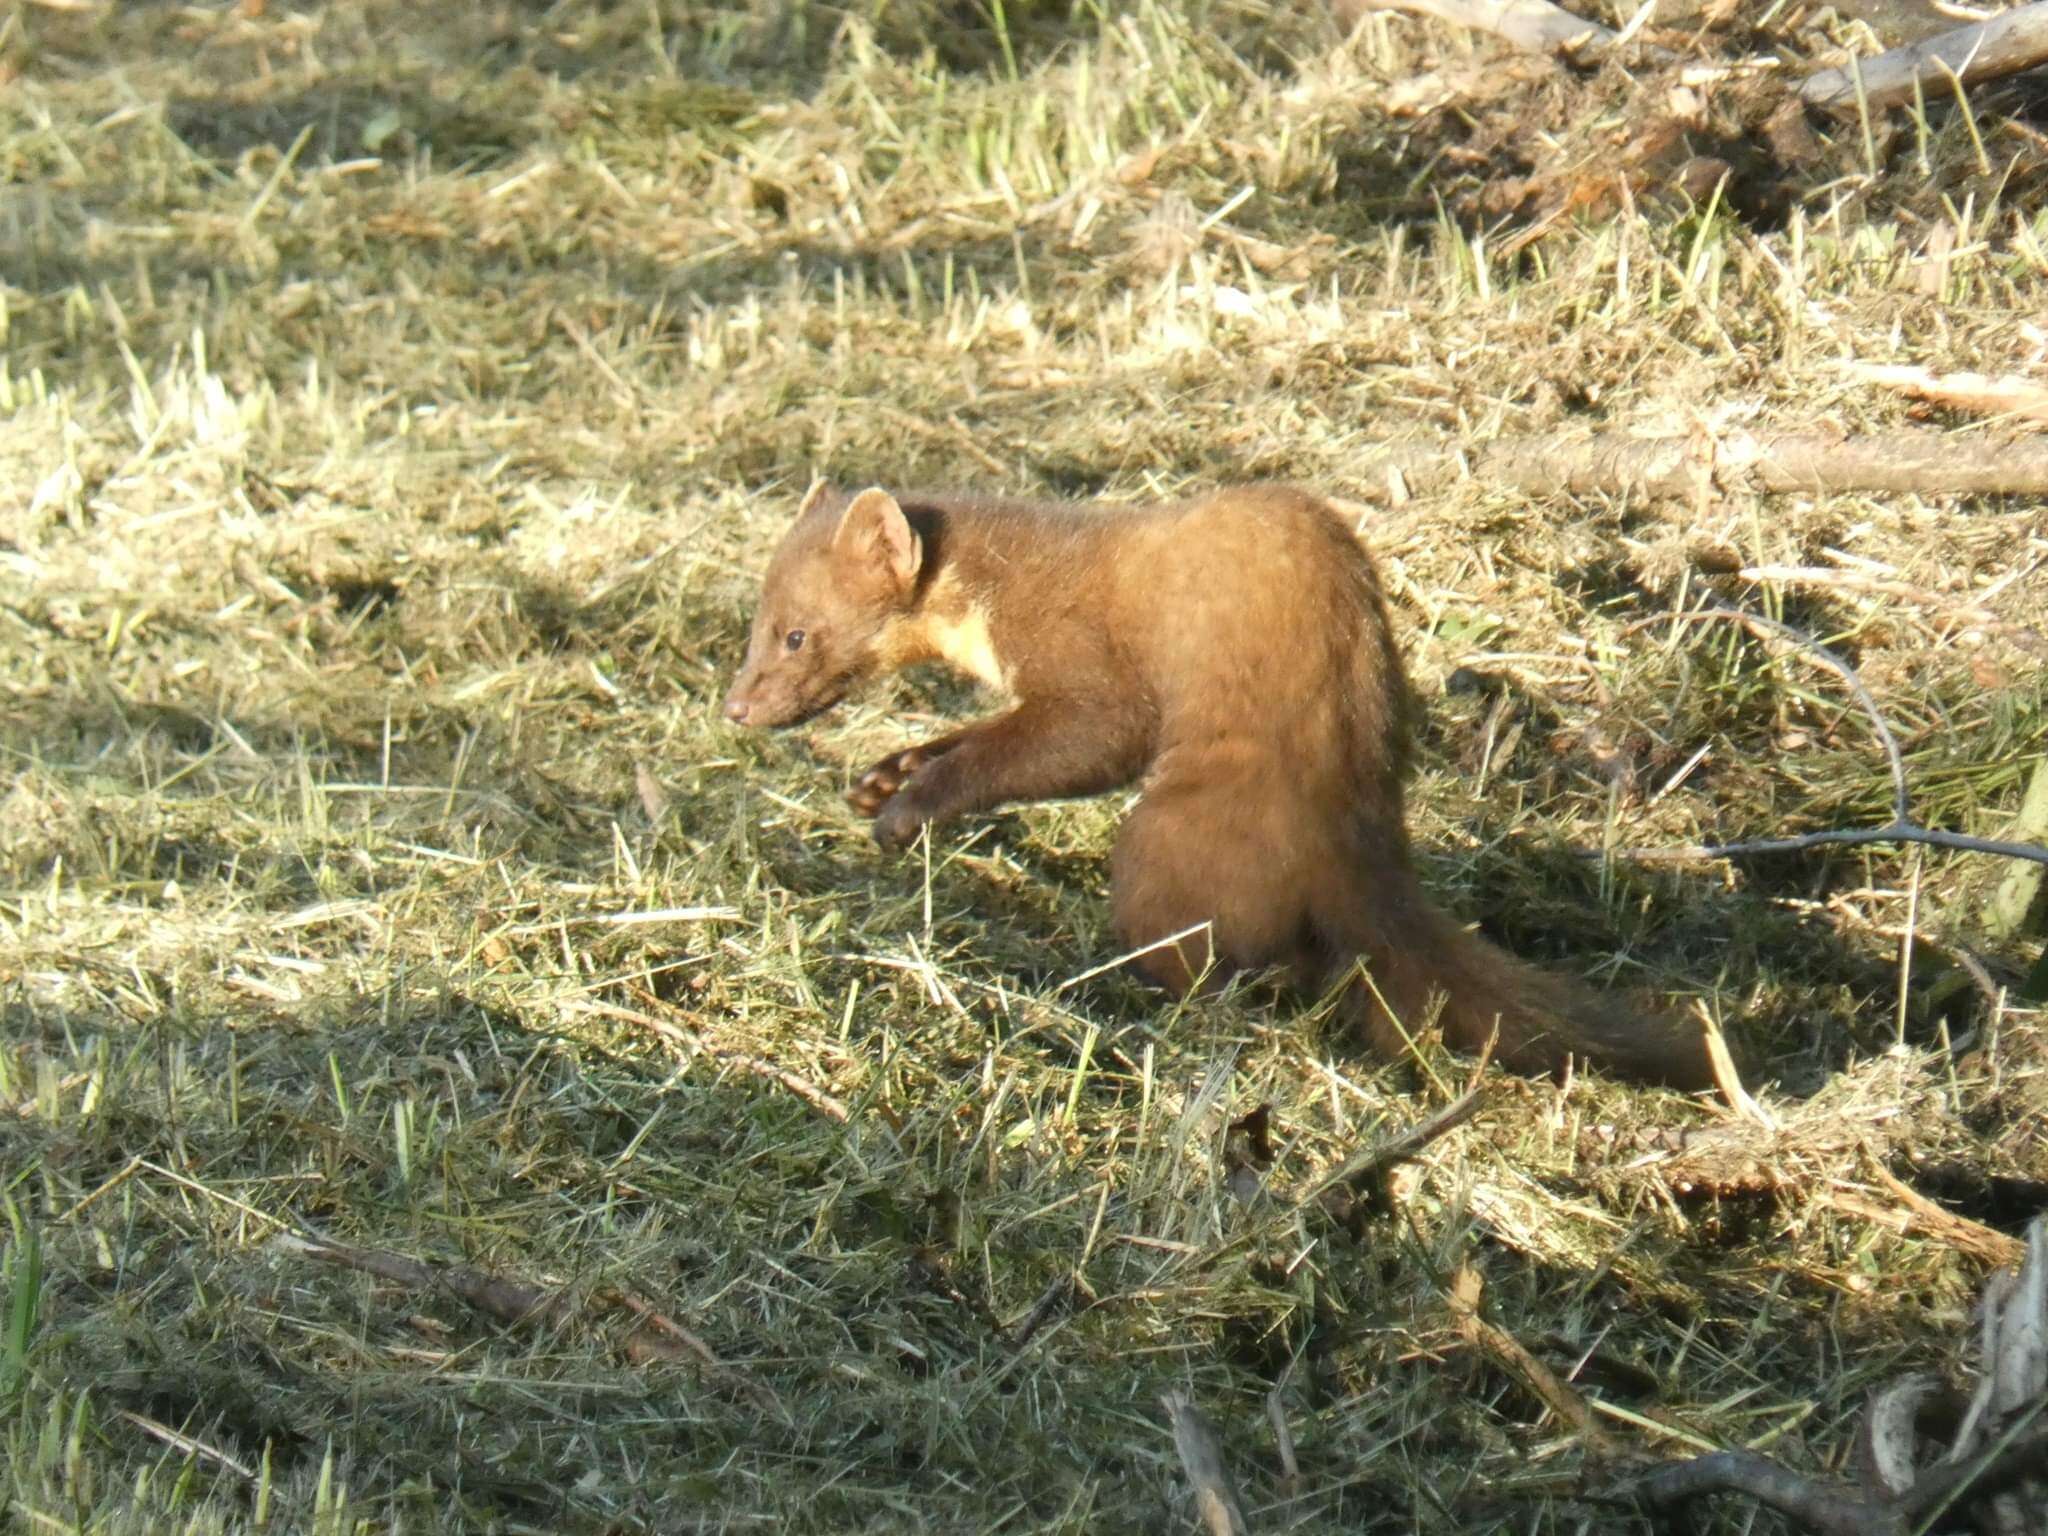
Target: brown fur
1234 653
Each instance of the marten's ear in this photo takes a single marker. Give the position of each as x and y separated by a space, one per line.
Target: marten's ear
822 493
874 531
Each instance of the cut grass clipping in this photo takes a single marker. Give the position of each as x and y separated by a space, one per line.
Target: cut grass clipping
452 1082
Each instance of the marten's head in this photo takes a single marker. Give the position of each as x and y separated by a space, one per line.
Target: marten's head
846 571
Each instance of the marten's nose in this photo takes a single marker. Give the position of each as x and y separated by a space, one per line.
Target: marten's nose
736 709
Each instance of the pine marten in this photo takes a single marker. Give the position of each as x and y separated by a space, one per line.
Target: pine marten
1231 653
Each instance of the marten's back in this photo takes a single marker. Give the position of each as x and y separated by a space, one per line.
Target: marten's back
1249 618
1267 619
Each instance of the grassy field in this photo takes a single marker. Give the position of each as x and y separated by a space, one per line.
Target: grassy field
397 404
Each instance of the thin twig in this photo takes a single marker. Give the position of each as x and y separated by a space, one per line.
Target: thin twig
1897 832
1057 1296
1964 614
824 1103
1716 609
1360 1171
191 1445
1901 829
667 1328
1511 1355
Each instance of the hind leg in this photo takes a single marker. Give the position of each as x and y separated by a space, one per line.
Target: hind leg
1205 858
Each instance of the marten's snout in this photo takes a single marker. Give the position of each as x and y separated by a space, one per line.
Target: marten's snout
737 708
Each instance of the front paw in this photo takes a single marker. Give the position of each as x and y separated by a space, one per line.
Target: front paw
898 823
878 786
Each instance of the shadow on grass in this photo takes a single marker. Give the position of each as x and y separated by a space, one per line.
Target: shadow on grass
422 1120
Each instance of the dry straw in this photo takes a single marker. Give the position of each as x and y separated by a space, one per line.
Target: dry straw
395 406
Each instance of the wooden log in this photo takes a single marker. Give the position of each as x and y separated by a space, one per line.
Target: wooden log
1910 461
2004 45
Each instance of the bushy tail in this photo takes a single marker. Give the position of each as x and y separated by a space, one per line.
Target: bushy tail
1415 954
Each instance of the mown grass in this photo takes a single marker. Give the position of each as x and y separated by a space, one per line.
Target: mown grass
397 404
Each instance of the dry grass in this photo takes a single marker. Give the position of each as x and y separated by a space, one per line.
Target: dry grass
396 404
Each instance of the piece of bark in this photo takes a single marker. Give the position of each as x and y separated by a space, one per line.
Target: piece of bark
2004 45
1908 1222
1201 1458
1925 463
2012 907
2012 1394
2003 395
1888 1446
1728 1077
1958 1231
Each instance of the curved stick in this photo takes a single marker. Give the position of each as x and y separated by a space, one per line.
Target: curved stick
1900 829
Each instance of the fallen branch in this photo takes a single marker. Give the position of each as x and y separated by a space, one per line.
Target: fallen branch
508 1301
1994 1460
1854 837
2004 45
1916 1215
1829 1507
1924 463
1972 1237
1826 1507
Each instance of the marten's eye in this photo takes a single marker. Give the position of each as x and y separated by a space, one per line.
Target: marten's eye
794 640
